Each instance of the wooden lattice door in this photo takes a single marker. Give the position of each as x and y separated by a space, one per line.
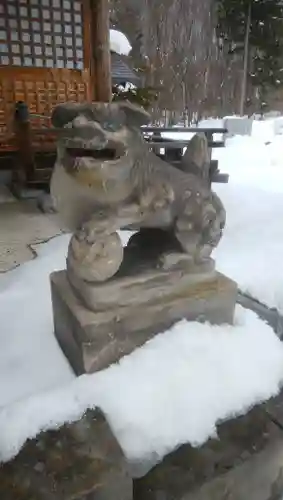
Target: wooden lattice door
44 56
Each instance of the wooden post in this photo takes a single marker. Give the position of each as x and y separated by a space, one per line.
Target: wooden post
100 48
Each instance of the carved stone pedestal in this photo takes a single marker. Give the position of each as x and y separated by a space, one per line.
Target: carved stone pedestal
132 309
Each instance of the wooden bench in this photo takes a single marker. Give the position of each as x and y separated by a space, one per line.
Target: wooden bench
173 149
36 153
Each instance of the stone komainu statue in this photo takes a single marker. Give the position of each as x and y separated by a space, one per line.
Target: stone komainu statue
106 178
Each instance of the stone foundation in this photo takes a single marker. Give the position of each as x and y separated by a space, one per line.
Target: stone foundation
79 461
245 463
83 461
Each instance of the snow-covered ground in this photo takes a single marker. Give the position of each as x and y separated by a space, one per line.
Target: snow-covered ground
157 398
252 248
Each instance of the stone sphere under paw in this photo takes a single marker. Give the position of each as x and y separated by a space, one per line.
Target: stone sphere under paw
96 261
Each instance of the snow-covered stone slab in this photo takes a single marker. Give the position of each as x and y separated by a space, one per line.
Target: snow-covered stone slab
80 461
244 462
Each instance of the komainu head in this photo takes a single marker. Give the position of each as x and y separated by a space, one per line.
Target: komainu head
94 134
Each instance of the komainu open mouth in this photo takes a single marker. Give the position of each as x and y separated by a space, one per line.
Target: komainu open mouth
98 154
111 152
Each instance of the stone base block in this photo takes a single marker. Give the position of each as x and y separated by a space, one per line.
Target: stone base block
92 341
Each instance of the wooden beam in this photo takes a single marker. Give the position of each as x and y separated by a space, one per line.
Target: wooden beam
100 48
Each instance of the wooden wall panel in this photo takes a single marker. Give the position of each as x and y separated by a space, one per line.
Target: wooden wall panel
41 90
44 58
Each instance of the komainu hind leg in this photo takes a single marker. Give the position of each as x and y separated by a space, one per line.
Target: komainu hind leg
187 236
200 231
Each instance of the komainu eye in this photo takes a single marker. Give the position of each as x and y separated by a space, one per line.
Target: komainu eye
111 126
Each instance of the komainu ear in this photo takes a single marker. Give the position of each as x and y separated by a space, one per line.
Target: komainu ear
136 116
196 159
65 113
197 151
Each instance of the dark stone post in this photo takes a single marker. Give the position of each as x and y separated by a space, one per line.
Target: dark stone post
25 162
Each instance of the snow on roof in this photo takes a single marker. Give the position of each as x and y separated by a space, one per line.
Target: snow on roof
119 43
121 73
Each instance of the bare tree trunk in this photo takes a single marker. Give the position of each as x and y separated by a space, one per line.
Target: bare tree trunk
181 56
246 60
